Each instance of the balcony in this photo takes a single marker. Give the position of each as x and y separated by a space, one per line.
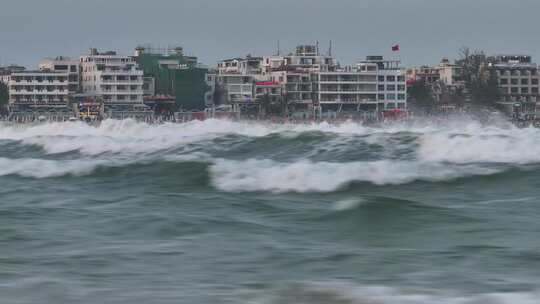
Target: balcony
134 82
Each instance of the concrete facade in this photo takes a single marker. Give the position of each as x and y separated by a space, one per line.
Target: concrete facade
116 79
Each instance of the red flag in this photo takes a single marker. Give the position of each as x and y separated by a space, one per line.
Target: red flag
395 48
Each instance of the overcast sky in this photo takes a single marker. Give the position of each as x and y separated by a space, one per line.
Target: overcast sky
214 29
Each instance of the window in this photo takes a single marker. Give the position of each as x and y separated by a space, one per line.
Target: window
514 81
514 90
534 81
60 67
524 90
401 96
534 90
380 96
381 78
401 78
391 96
525 81
390 78
380 87
391 87
504 81
401 87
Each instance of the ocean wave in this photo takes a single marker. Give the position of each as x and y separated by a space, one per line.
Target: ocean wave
351 293
348 204
260 156
308 176
128 136
49 168
43 168
467 142
483 145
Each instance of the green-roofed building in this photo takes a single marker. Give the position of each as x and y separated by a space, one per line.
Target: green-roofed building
177 75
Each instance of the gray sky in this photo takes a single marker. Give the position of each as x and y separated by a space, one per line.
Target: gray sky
213 29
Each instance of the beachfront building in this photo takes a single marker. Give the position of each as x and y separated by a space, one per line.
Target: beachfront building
236 77
294 72
427 74
6 71
211 84
447 73
312 83
373 84
450 74
518 77
31 88
112 78
149 86
178 75
443 80
62 65
37 94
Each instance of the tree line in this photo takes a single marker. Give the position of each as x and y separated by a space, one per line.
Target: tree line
480 90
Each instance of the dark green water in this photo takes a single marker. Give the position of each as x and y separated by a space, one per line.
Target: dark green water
228 212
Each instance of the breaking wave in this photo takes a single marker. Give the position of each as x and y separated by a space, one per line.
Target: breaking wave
306 176
255 156
351 293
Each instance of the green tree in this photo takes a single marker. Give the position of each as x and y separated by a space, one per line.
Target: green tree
421 96
4 94
480 81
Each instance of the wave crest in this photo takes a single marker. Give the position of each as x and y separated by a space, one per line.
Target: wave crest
351 293
307 176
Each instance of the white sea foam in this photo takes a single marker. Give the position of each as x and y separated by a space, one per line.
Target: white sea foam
437 142
128 136
307 176
481 145
348 204
123 136
351 293
440 152
41 168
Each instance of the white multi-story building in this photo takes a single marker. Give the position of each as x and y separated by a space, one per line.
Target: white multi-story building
295 71
210 80
391 82
63 65
347 87
518 76
116 79
450 73
373 84
309 79
6 71
237 77
44 88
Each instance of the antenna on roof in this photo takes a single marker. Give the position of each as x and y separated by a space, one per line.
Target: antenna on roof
278 50
317 47
330 48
